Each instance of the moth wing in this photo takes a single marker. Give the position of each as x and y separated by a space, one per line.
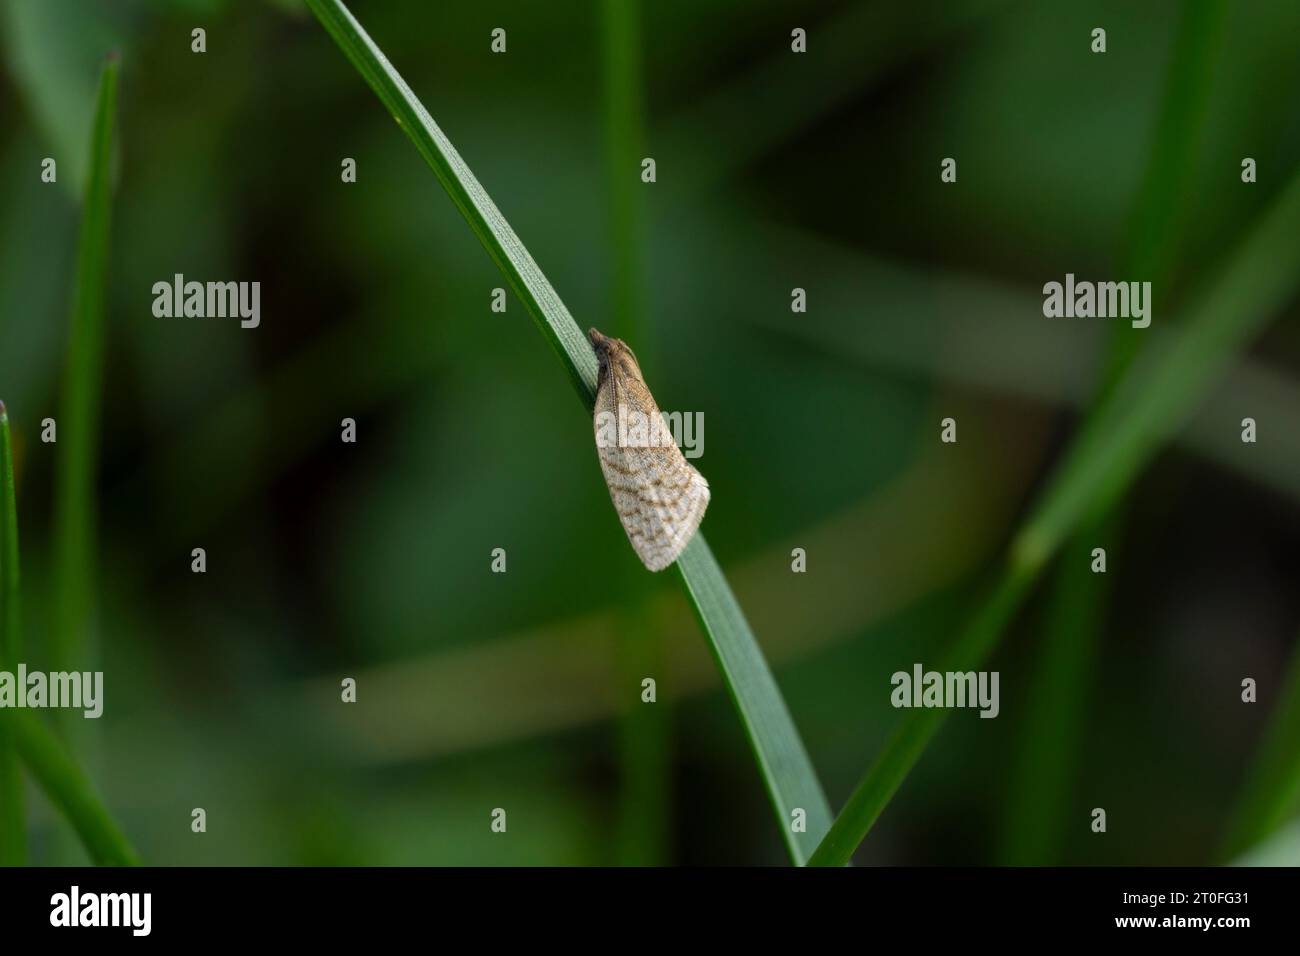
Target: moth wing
660 498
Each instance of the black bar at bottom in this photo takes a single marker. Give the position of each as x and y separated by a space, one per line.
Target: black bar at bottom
336 906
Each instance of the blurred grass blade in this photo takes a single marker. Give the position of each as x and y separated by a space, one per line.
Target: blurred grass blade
64 783
785 766
70 791
1280 849
624 138
1037 801
1160 391
859 46
886 774
644 733
79 416
1044 774
47 47
13 834
1272 792
1150 401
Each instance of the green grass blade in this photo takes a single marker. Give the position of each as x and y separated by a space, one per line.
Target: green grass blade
1161 391
625 136
515 262
79 416
644 733
10 634
786 769
1151 401
64 783
70 791
857 48
1157 228
1044 771
13 836
642 828
1280 849
883 778
1272 792
71 638
1038 793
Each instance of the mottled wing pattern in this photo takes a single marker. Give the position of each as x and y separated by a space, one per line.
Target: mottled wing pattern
660 498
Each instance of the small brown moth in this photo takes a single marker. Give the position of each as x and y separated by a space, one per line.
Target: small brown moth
659 497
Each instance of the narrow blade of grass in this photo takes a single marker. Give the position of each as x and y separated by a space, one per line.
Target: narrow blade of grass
886 774
1129 427
70 791
71 638
782 760
642 826
857 47
1272 792
79 415
787 771
1043 778
13 837
644 733
624 136
1160 391
526 279
64 783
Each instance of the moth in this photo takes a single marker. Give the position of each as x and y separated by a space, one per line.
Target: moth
660 498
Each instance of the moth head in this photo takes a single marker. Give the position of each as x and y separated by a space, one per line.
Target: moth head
601 343
612 352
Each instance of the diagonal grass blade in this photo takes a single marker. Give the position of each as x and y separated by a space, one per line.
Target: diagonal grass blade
1150 401
783 762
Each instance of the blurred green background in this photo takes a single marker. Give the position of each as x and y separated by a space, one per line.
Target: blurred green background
775 171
